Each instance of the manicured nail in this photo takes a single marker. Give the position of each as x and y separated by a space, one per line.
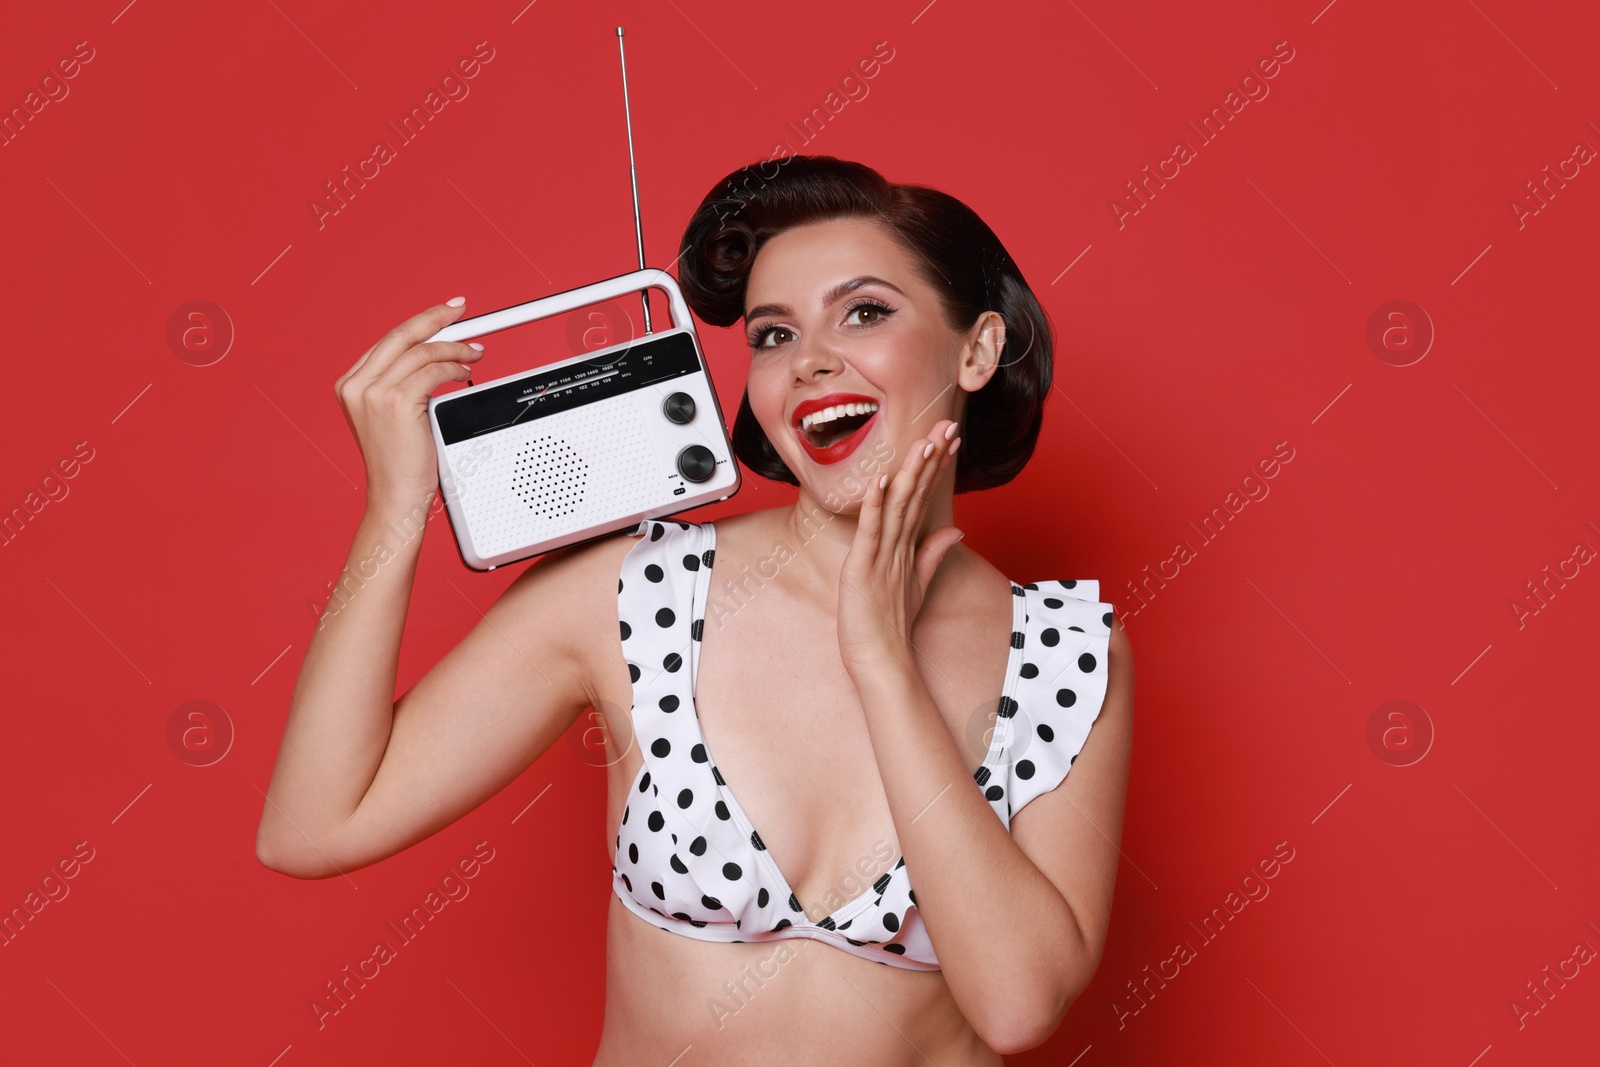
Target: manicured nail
928 451
883 480
950 431
955 445
455 301
476 345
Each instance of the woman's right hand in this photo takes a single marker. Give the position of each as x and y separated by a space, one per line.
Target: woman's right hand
385 401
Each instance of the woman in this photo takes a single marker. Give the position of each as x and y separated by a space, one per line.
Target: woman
907 873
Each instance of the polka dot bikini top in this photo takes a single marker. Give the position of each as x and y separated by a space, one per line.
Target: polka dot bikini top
688 860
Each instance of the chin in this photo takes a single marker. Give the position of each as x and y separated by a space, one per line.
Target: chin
841 487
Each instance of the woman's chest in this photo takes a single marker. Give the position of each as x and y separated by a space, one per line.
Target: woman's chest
772 708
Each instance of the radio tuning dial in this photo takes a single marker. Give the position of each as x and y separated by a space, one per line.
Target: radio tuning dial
697 463
679 407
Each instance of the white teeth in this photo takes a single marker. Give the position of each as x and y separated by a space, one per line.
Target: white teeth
838 411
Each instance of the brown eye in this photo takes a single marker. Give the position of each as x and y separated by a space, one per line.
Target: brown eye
761 336
877 311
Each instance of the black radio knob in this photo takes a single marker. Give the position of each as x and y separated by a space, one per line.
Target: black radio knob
697 463
679 407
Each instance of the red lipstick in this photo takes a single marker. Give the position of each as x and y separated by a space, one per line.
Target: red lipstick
841 448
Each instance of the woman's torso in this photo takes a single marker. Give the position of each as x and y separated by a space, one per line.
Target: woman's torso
777 706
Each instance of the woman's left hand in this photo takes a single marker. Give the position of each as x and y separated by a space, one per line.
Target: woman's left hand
886 574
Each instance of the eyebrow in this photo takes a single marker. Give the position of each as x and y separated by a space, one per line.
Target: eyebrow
829 297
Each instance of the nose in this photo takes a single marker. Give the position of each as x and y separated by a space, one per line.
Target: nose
813 355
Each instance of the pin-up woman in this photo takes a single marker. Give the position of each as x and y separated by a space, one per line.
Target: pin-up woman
840 809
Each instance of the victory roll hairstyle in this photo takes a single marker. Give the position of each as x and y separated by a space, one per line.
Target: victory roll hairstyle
955 252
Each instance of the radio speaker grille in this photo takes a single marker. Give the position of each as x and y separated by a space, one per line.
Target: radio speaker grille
550 477
571 469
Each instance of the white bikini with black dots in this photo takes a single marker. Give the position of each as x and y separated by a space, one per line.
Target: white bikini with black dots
689 861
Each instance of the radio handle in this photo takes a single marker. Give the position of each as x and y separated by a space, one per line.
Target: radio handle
570 300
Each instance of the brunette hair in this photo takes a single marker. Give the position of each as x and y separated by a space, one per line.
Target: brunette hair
956 253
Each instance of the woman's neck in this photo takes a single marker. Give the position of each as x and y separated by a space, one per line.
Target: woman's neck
813 541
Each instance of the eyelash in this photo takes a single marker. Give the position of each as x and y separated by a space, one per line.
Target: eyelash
884 311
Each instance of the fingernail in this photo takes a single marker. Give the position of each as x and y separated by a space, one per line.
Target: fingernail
455 301
928 451
476 345
955 445
950 431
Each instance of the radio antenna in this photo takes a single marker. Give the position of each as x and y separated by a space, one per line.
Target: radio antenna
633 173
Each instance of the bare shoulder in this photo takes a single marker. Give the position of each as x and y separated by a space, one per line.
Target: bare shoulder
573 590
587 561
1119 645
981 588
979 592
1118 706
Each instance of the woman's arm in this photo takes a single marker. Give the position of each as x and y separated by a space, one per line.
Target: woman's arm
342 710
358 776
1019 918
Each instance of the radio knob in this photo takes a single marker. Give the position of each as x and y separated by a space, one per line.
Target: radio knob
679 407
697 463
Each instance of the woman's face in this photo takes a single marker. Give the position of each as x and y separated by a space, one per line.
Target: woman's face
818 331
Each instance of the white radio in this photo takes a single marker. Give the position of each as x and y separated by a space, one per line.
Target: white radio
588 446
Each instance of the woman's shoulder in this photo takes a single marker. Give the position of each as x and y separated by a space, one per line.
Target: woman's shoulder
583 571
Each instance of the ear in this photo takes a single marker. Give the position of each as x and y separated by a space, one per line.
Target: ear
984 351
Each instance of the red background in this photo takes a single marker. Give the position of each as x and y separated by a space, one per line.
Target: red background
1226 316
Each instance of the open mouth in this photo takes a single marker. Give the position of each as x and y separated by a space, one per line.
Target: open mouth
832 425
829 434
